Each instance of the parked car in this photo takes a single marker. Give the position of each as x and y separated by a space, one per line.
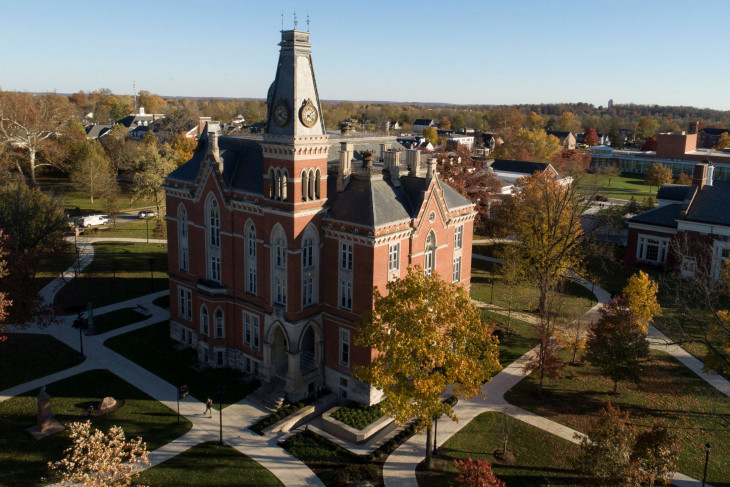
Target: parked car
600 197
145 214
92 220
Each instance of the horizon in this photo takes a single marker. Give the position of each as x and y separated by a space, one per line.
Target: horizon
486 53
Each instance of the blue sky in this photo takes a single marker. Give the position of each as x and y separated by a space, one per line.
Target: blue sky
480 52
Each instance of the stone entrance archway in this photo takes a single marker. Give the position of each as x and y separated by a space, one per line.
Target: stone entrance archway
279 355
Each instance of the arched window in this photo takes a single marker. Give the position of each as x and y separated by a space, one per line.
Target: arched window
283 180
251 241
307 253
280 254
316 184
310 188
272 183
182 219
204 321
182 240
429 253
251 258
305 186
214 219
219 323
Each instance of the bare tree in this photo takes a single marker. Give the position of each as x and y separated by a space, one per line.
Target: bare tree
29 122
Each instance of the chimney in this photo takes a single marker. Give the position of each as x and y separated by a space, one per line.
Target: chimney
699 178
344 169
710 173
383 148
141 110
431 167
694 127
201 124
392 165
212 153
413 160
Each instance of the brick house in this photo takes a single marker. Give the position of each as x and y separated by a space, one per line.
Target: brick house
688 231
273 255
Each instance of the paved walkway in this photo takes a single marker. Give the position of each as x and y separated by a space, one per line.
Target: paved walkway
236 417
399 469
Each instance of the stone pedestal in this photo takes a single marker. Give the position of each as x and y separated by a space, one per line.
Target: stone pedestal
47 423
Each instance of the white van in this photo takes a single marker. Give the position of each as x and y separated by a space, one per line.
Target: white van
92 220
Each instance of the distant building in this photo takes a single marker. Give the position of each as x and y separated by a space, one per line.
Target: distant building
610 103
567 139
708 137
421 124
688 231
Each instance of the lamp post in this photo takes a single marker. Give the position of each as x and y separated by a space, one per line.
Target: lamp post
221 391
708 447
435 432
152 274
147 227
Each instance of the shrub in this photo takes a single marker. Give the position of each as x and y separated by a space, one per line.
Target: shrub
358 415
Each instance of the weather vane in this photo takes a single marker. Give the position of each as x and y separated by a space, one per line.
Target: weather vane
307 20
282 19
295 20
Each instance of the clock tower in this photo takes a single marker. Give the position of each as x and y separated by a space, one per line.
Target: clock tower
295 143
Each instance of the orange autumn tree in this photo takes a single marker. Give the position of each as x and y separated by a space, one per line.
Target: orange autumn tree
429 335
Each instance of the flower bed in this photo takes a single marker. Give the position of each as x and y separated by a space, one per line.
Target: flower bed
281 413
358 415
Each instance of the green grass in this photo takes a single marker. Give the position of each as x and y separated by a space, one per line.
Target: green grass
542 459
116 319
608 271
119 271
358 415
136 229
522 297
516 337
152 348
622 187
210 465
27 356
51 266
74 199
24 459
690 407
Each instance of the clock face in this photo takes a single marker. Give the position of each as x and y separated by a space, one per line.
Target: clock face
281 114
308 114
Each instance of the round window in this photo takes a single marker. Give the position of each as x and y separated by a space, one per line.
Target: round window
431 217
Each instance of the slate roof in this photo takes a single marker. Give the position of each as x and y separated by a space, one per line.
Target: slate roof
97 130
524 167
713 131
243 163
674 192
558 134
711 205
423 121
663 216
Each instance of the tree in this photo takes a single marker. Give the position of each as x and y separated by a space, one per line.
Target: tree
112 207
531 145
573 337
649 144
568 122
121 152
535 121
655 454
544 216
96 459
445 123
92 172
429 335
4 302
641 295
33 225
590 137
152 167
605 451
431 135
723 142
617 344
476 473
29 121
611 171
683 179
657 175
647 127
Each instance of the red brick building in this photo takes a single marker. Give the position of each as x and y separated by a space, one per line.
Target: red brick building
273 255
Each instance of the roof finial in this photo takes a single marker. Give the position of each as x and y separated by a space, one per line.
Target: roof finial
282 19
295 20
307 20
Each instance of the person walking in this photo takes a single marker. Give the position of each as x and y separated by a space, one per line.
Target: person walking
208 407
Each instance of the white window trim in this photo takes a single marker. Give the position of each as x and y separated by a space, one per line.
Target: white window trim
642 248
344 342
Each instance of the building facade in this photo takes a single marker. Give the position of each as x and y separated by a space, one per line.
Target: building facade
273 253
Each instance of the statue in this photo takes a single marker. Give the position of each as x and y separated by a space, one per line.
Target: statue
47 422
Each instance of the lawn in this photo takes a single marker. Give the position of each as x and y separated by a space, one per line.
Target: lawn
622 187
125 229
152 348
542 459
75 199
694 410
210 465
51 266
119 271
116 319
162 301
521 296
24 459
27 356
516 337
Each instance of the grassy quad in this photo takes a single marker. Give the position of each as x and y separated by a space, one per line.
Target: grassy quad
542 459
152 348
524 298
119 271
27 356
516 337
24 459
622 187
140 228
116 319
693 409
211 465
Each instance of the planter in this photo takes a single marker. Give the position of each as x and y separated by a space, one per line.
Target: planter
348 433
